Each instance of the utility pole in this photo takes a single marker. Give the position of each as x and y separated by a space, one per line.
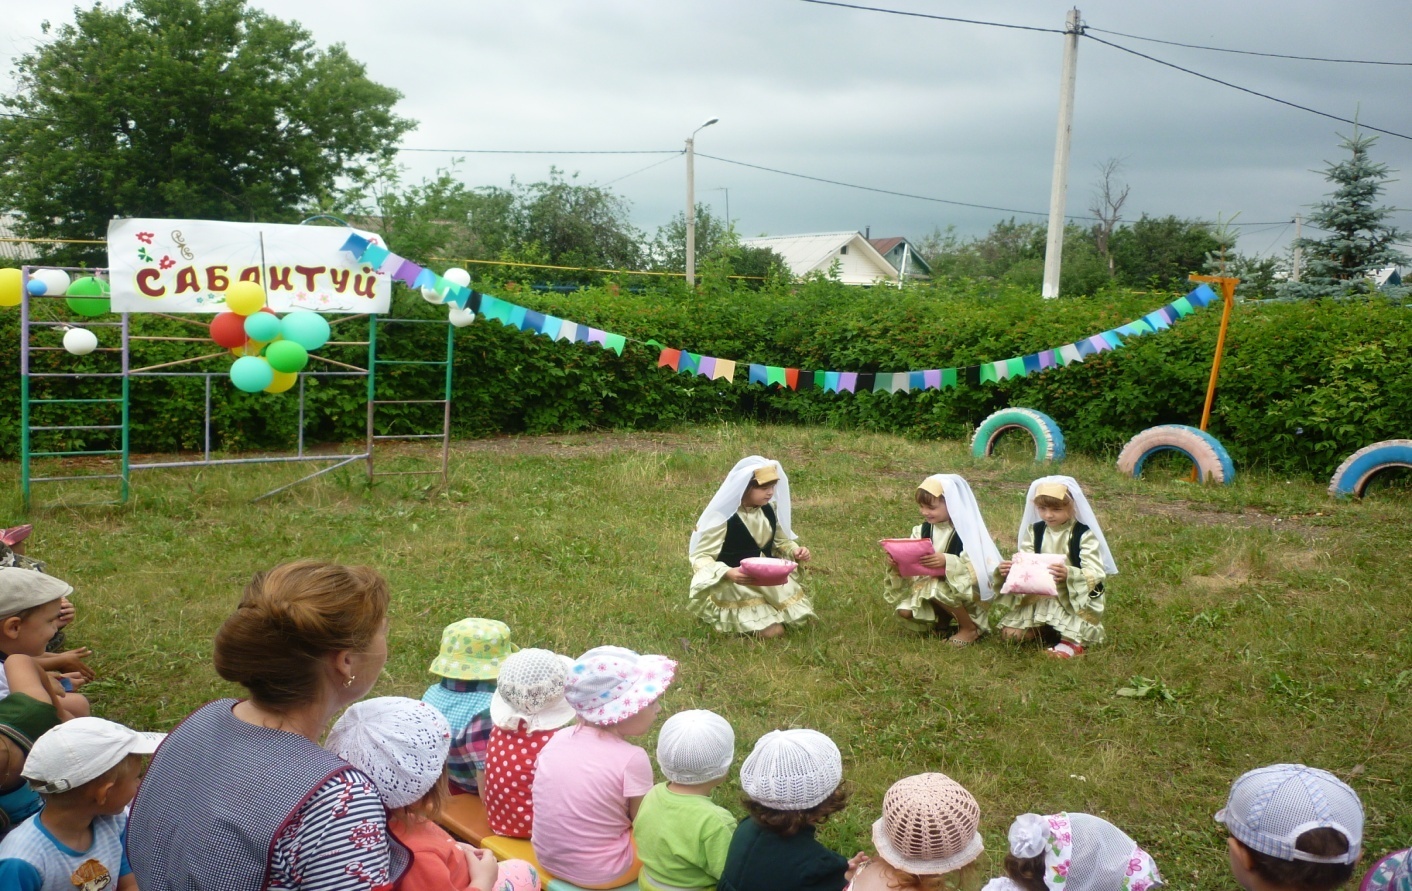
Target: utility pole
1298 251
1054 249
691 203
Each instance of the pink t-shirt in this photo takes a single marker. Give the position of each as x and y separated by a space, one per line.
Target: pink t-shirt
582 784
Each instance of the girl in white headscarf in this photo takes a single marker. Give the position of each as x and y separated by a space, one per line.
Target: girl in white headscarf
741 521
1073 852
1058 520
963 553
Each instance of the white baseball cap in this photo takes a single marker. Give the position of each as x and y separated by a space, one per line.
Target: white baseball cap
79 751
1270 807
22 589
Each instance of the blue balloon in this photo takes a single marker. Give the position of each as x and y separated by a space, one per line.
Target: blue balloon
262 326
37 288
251 374
308 329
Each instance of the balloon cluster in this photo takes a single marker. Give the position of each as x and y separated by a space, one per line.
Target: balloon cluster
270 351
86 296
459 316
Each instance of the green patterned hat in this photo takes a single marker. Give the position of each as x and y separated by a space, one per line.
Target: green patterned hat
472 650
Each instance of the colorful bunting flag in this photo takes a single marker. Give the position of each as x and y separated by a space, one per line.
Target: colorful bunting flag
725 370
757 374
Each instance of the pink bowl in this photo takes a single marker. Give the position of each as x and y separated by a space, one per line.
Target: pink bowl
767 570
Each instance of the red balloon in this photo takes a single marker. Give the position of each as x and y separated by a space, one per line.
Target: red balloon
228 330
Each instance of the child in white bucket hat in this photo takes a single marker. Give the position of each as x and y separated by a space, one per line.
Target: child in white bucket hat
526 710
681 835
928 837
590 780
1073 852
401 744
1292 828
793 781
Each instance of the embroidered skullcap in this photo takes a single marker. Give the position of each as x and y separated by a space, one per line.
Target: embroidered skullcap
1057 491
400 743
1270 807
695 746
929 826
763 476
611 684
933 485
1392 873
531 691
792 770
1083 853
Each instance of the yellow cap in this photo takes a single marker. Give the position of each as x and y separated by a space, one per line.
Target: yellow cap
1057 491
932 485
766 475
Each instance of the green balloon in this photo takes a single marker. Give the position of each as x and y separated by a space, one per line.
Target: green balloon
88 296
286 356
308 329
251 374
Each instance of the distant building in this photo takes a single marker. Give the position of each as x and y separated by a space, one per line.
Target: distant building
859 263
903 256
10 248
1387 277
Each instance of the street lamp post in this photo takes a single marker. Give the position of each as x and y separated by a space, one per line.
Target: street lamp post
728 202
691 203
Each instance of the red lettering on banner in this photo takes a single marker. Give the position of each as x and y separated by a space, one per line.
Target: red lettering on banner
145 278
186 280
339 277
216 279
279 279
309 272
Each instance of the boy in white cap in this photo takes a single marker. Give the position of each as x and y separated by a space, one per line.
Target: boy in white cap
87 770
1292 828
682 836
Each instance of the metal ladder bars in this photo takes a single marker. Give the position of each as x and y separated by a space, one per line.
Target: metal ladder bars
373 437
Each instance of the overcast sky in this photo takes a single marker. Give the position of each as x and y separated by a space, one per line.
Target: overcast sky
945 110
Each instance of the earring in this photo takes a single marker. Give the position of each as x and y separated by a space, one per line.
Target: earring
349 682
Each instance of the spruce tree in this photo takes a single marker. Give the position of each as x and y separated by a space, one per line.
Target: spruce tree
1360 238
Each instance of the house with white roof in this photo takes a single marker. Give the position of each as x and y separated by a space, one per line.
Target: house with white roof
859 263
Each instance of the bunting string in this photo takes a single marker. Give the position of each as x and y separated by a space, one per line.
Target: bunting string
716 368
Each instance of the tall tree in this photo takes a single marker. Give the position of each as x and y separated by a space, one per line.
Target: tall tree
1107 206
184 108
574 225
1361 238
1159 252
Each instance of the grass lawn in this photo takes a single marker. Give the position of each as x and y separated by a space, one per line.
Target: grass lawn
1270 619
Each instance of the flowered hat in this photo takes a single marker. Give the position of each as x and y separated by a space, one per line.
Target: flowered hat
611 684
1392 873
472 650
530 692
1083 853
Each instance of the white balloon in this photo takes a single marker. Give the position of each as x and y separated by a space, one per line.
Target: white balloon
460 317
430 296
56 281
458 277
80 341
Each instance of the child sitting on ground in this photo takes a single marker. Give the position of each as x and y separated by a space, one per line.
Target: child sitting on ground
740 523
928 838
964 556
1073 852
401 745
528 707
681 835
30 605
1058 520
1292 828
25 715
793 782
87 770
590 780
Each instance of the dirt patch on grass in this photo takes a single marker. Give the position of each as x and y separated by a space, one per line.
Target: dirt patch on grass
575 445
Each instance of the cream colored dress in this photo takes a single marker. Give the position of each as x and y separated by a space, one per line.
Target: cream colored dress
1077 613
957 589
745 608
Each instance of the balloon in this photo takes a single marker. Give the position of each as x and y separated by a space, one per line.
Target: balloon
251 374
244 298
283 381
80 341
458 277
56 281
228 330
10 281
287 356
430 295
460 317
37 287
88 296
308 329
249 348
262 326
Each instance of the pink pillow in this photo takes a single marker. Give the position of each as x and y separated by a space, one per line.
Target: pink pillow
906 552
1029 574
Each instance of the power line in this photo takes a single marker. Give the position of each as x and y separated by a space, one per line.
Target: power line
1218 49
639 170
546 151
940 18
1246 89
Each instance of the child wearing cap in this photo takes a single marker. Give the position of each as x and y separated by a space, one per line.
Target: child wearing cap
792 782
468 664
681 835
401 744
740 522
928 837
32 708
526 710
964 556
87 770
1292 828
1073 852
1058 520
590 780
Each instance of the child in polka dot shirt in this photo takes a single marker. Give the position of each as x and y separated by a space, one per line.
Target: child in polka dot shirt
528 706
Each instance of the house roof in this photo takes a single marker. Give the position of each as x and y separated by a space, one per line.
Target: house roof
10 249
885 244
817 252
915 262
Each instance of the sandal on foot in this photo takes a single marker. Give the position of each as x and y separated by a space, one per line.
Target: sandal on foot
1064 650
958 643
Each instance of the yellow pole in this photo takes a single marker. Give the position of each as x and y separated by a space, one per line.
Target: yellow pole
1228 286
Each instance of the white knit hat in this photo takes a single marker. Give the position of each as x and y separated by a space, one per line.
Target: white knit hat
929 826
792 770
531 691
695 746
400 743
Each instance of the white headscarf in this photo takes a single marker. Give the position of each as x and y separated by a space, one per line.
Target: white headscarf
970 525
1082 512
727 498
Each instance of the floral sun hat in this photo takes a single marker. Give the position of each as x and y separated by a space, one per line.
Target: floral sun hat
611 684
1392 873
472 650
1083 853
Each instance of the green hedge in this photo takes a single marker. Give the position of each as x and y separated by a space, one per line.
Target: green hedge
1302 385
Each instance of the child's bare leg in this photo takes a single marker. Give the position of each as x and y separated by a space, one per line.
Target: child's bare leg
904 614
770 631
967 630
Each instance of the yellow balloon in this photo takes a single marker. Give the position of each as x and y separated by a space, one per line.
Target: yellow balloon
244 298
251 348
10 282
283 381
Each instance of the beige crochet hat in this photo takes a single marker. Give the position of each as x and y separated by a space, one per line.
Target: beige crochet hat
792 770
930 825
